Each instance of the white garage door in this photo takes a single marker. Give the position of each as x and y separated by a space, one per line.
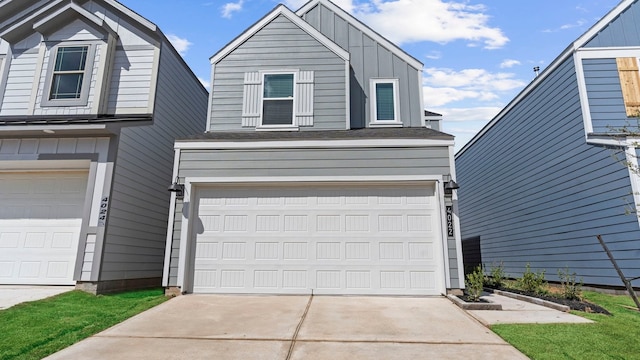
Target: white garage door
40 219
342 240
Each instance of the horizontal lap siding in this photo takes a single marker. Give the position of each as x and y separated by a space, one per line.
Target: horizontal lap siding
136 234
605 95
535 192
369 59
131 80
19 85
280 45
305 162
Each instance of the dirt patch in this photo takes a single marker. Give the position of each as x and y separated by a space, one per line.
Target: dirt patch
579 305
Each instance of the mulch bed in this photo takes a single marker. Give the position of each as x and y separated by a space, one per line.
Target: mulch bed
578 305
466 298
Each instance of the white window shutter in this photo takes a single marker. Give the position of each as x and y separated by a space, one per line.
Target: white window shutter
304 98
251 102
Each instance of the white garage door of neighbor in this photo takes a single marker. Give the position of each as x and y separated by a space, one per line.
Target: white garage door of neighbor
331 240
40 220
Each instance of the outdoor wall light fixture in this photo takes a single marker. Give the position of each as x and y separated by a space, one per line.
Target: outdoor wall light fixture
450 185
177 188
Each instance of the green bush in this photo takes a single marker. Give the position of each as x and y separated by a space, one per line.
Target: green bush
571 289
532 282
497 275
475 284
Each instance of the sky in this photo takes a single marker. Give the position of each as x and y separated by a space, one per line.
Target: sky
477 54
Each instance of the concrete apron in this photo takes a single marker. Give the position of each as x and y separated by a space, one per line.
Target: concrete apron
11 295
296 327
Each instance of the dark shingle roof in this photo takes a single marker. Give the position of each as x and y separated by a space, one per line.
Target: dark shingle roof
369 133
69 119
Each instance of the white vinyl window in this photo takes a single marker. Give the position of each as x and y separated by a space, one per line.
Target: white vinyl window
278 99
384 102
69 75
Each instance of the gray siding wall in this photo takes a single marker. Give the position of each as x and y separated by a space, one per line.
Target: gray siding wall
137 225
280 45
536 192
370 60
605 95
623 31
305 162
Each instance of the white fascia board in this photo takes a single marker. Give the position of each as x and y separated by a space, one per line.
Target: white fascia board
574 47
27 21
320 144
364 28
42 128
238 181
280 10
133 15
57 15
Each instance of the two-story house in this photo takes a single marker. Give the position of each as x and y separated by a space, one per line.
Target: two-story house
541 180
92 96
317 172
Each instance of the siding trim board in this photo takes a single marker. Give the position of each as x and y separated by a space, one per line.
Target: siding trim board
380 143
171 222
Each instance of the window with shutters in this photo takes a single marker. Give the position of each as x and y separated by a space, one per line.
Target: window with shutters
630 83
384 103
278 100
69 75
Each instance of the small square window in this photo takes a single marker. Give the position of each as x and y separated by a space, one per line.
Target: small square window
68 79
277 99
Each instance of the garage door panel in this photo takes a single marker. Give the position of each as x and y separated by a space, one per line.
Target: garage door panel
335 241
40 220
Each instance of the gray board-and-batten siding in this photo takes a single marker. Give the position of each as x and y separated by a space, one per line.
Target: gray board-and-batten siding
343 161
548 194
369 60
280 45
137 224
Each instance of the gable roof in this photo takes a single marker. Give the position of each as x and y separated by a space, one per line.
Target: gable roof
364 28
277 11
567 53
19 17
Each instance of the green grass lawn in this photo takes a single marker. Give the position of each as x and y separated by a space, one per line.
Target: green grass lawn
610 337
37 329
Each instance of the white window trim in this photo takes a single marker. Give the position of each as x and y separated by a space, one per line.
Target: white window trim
374 122
285 127
86 81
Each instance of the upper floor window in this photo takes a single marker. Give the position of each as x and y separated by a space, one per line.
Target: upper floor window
69 76
384 102
277 100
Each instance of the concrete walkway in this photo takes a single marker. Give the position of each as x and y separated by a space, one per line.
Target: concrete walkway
296 327
11 295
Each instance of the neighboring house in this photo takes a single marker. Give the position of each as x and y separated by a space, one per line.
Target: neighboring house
540 181
92 96
317 173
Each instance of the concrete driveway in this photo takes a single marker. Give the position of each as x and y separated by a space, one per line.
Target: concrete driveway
11 295
296 327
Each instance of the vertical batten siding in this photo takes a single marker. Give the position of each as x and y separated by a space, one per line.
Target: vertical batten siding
280 45
304 162
536 192
623 31
136 234
369 60
604 93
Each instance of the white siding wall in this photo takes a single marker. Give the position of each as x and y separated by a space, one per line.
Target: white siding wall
131 80
19 83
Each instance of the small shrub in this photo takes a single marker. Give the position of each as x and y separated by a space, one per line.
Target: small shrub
475 283
571 289
497 275
532 282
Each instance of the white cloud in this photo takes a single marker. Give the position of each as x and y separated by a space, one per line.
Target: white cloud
508 63
443 86
229 8
205 83
577 24
182 45
403 21
434 55
483 114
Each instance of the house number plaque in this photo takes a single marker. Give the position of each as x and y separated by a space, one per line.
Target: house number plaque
102 216
449 220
